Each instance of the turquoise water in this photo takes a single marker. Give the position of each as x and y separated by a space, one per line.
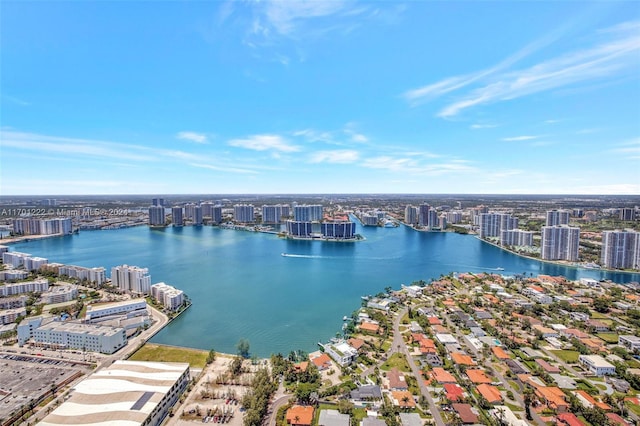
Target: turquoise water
242 287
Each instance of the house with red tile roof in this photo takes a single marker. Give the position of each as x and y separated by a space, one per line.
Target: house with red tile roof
589 401
500 353
490 393
553 397
569 419
300 415
551 369
301 367
369 327
466 413
434 321
403 399
441 375
355 343
323 362
453 392
616 420
477 376
397 380
462 359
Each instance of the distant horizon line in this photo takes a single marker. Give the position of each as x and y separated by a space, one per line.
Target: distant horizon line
282 194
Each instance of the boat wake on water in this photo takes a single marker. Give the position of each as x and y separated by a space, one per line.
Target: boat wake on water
314 256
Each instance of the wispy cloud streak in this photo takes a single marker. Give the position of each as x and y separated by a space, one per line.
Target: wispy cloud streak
616 52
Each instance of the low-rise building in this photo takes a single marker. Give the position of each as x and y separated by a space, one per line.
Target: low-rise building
89 337
130 307
60 294
168 296
7 316
333 418
631 342
126 392
341 352
597 365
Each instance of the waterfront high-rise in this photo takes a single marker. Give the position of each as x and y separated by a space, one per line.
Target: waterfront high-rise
176 214
338 230
620 249
272 215
627 214
557 217
516 237
216 214
243 213
189 211
307 213
197 215
131 278
156 216
491 224
157 202
411 215
560 243
297 228
423 215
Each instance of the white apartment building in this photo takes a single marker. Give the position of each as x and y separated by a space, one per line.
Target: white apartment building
169 296
157 216
516 237
243 213
8 316
37 286
130 308
131 278
13 274
88 337
557 217
492 224
632 343
537 296
60 294
14 258
411 215
597 365
13 302
95 275
560 243
34 263
341 352
620 249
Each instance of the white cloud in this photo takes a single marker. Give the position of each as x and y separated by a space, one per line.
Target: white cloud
264 143
222 169
74 146
613 56
483 126
193 137
520 138
335 156
284 16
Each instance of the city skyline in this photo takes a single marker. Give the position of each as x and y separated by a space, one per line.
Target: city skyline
320 97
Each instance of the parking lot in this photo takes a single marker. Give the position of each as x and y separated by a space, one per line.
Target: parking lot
28 379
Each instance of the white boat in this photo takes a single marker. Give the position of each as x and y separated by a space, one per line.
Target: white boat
499 269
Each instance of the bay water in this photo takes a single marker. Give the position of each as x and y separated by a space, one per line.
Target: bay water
242 287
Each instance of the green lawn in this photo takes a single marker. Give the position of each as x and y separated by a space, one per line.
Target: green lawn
567 356
152 352
608 337
598 316
396 360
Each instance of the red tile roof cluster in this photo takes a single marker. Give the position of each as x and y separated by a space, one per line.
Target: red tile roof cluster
303 414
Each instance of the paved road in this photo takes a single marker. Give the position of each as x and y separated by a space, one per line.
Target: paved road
398 342
280 399
517 393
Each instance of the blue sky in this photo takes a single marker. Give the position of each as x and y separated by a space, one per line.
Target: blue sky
115 97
